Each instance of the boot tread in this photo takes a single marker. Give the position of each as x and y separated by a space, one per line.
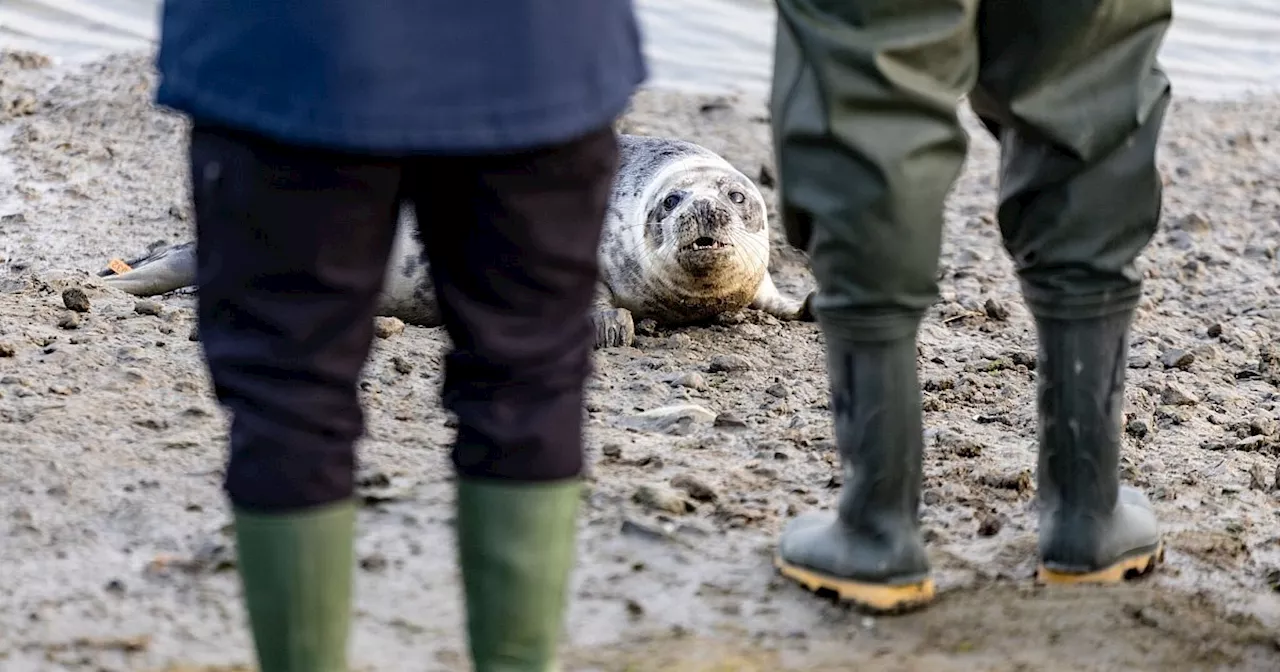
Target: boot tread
875 597
1131 566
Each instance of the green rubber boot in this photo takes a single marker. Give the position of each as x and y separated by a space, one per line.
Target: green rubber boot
1092 529
516 544
296 569
869 551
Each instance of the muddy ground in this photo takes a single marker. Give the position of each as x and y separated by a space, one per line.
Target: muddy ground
115 552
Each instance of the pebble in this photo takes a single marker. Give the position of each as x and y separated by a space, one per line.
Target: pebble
729 364
7 350
1138 427
996 310
612 451
661 498
989 525
1177 359
69 320
1262 425
386 327
1176 396
695 488
374 563
75 299
402 365
147 307
678 419
727 420
693 381
1258 478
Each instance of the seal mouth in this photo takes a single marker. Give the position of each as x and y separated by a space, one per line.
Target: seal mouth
705 243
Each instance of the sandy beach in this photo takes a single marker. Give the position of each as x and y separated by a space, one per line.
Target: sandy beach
702 441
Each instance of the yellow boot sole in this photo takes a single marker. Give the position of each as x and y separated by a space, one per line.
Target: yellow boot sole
879 598
1127 568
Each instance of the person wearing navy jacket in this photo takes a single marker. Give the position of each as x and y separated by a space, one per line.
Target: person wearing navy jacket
311 123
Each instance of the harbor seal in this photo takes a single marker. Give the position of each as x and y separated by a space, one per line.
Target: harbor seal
685 239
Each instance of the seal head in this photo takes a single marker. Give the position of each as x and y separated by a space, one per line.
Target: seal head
691 241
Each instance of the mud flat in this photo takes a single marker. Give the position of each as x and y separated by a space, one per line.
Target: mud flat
702 441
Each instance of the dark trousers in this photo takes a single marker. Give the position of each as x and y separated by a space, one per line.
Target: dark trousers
292 245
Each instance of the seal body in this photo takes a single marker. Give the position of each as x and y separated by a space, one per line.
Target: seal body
685 239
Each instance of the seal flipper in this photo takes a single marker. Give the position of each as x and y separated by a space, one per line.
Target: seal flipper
164 269
771 301
614 326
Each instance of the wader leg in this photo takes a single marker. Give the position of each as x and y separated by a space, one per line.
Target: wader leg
1072 91
868 145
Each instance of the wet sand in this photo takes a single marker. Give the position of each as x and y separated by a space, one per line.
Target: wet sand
117 555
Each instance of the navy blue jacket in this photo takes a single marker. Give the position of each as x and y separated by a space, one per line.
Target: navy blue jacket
401 76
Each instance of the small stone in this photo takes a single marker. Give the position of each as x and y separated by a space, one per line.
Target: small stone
1250 444
695 488
1139 362
1192 222
69 320
1262 426
612 451
147 307
373 563
679 419
660 498
1214 331
1138 427
7 350
386 327
727 420
729 363
989 525
778 390
692 380
647 327
402 365
194 336
1176 396
634 609
1258 479
996 310
1018 481
75 299
1177 359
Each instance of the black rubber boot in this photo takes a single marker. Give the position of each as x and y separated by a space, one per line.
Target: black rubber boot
869 551
1092 529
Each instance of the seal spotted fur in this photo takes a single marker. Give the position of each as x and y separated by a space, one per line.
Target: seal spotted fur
685 239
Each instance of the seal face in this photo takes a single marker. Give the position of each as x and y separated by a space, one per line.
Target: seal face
685 238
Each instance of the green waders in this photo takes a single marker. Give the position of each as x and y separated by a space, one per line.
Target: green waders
868 144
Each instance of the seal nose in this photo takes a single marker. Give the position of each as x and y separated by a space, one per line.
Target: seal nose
707 217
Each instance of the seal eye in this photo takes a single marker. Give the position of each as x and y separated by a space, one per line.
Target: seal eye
671 201
737 197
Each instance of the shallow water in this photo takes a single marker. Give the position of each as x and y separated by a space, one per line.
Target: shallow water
1216 49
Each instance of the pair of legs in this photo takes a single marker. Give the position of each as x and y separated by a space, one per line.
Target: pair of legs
292 246
868 143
